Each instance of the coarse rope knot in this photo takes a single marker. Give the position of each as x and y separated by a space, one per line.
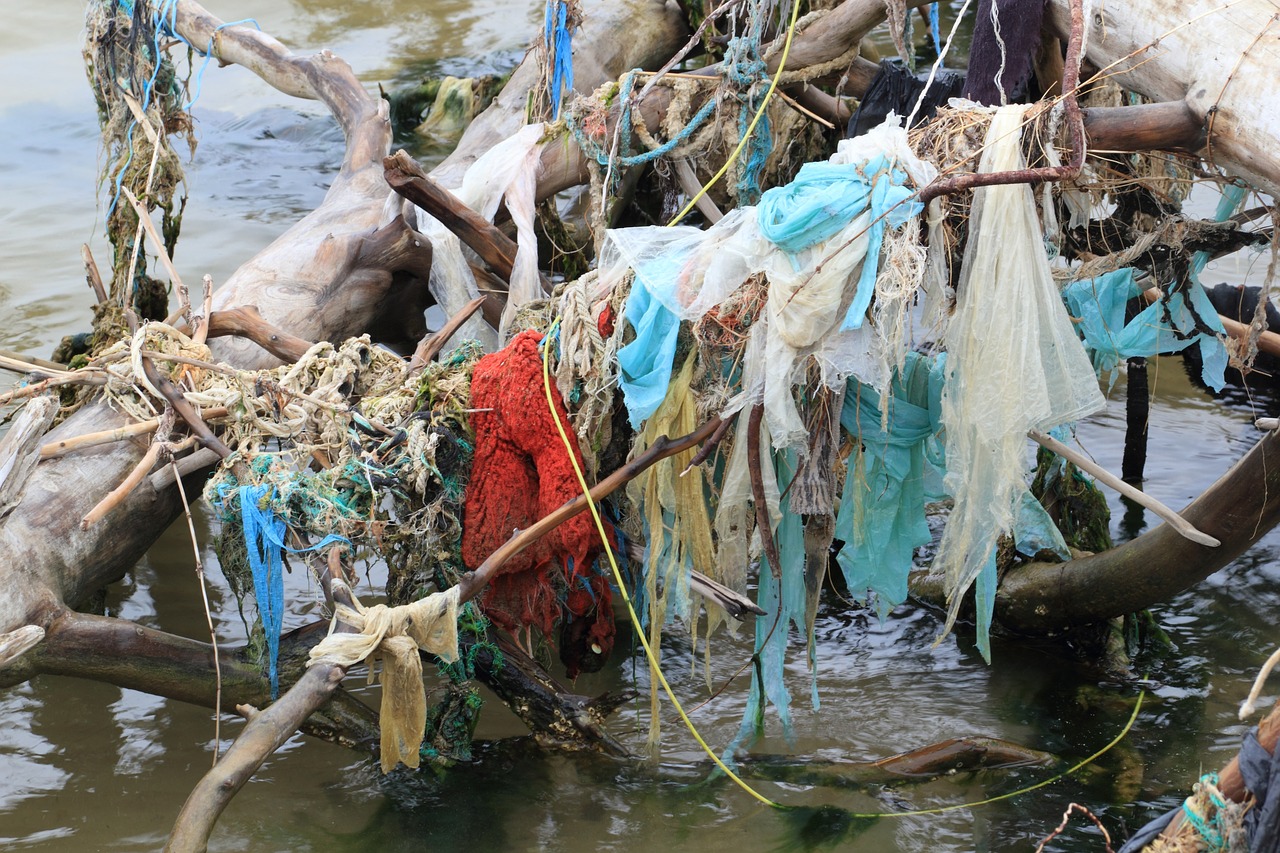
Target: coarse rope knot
395 634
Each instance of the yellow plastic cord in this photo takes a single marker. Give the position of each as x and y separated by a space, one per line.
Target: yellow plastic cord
622 587
742 143
662 679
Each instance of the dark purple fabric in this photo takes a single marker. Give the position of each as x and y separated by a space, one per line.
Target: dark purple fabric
1020 31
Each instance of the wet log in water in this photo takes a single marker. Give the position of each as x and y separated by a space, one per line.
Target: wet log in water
953 755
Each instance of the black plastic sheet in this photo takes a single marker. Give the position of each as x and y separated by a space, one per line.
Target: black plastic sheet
895 89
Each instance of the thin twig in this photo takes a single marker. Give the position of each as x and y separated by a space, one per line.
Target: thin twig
709 446
108 436
1066 816
201 333
184 409
208 615
92 275
1251 704
144 219
432 344
473 582
117 495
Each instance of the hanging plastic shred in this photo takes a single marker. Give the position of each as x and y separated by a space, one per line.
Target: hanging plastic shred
1182 318
1014 363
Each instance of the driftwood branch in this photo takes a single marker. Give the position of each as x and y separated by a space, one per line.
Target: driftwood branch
408 179
1236 510
18 454
1102 475
473 582
265 732
433 343
246 322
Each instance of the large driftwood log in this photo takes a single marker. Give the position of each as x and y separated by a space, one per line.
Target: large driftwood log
1038 598
1218 58
328 277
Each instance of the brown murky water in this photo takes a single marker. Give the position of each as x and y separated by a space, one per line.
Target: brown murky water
86 766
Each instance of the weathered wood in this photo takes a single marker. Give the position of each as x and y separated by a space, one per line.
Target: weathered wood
1237 510
246 322
927 762
19 448
1145 127
1216 57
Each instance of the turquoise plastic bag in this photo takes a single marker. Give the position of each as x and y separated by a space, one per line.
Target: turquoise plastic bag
1163 327
824 198
881 517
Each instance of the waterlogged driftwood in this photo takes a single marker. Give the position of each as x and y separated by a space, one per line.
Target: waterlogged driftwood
1237 510
952 755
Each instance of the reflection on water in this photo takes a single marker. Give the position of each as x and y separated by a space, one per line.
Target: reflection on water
87 766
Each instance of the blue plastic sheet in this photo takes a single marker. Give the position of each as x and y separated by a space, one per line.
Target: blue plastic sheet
881 517
1187 318
644 365
784 605
824 198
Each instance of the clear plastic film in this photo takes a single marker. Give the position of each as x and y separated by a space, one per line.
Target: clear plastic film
1014 363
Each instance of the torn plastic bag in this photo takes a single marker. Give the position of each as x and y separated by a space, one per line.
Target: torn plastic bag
895 89
680 274
508 170
1169 325
881 517
822 201
1014 363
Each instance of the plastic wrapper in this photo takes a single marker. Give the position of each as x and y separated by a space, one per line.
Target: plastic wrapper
508 170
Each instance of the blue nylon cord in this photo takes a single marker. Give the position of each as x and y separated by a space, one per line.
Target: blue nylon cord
264 540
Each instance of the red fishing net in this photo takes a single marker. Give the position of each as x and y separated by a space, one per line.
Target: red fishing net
520 473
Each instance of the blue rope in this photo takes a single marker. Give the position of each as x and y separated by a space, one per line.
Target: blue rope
1210 830
559 42
264 540
745 68
935 26
601 156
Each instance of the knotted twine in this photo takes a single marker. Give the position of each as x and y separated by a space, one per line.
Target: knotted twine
395 634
